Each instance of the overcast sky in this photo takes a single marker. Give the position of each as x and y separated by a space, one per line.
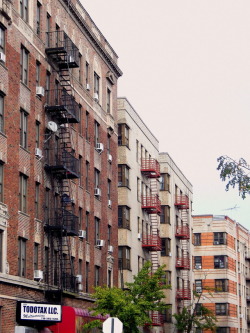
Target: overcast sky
186 71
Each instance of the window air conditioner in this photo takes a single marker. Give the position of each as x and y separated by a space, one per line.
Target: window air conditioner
97 192
99 147
40 91
82 233
139 236
170 254
71 58
110 249
110 158
79 278
87 86
100 242
216 243
80 287
109 203
2 57
241 315
38 152
198 266
198 290
96 97
38 275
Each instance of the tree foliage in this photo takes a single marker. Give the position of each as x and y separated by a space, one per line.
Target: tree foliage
132 305
195 316
235 173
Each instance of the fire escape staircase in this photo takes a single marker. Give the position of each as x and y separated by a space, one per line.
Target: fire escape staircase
62 165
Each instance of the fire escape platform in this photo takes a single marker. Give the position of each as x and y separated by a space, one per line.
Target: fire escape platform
182 202
182 232
182 263
152 243
151 204
150 168
183 294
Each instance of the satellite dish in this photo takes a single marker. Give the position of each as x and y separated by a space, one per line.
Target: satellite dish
52 126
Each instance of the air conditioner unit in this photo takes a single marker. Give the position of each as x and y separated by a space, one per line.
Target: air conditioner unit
198 266
87 86
82 233
38 275
96 97
119 183
25 329
40 91
71 58
170 254
80 287
38 152
100 242
110 249
198 290
79 278
99 147
241 315
216 243
110 158
109 203
97 192
2 57
139 236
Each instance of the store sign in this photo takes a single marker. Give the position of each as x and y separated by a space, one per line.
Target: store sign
40 312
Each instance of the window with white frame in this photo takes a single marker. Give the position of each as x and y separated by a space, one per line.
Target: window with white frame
24 65
2 96
24 10
23 129
23 191
96 86
2 39
21 257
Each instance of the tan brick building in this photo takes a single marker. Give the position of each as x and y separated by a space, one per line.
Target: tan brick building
221 265
58 163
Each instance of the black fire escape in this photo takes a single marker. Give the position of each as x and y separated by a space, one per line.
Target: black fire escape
61 166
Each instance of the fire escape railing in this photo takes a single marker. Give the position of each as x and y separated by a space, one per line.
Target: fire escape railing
182 263
152 242
64 221
182 232
182 201
183 294
150 167
151 203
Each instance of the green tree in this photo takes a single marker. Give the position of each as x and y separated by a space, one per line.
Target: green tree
195 316
132 305
235 173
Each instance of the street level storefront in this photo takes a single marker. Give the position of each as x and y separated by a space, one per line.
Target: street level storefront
73 320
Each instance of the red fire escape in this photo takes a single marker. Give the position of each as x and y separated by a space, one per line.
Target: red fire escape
182 232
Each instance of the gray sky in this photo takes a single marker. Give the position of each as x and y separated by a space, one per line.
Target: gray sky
186 66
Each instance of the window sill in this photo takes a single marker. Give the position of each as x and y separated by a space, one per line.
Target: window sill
122 186
25 85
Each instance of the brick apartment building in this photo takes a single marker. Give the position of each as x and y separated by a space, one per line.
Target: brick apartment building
221 267
175 232
138 198
58 164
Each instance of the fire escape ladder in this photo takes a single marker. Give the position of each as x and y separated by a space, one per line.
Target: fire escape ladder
154 218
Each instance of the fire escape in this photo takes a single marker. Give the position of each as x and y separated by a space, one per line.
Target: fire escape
61 166
182 232
152 205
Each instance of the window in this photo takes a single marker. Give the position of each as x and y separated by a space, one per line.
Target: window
48 25
80 218
87 127
167 314
198 309
36 251
1 182
24 65
96 133
2 39
165 247
96 86
221 309
198 286
165 214
37 195
220 261
80 68
80 170
38 69
124 217
220 238
38 18
197 262
46 261
97 276
47 204
168 277
124 257
23 129
221 285
87 176
23 180
164 182
109 278
1 112
108 100
109 189
109 234
87 277
197 239
87 226
222 330
24 10
97 178
123 175
97 229
21 257
1 250
123 135
87 73
80 120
